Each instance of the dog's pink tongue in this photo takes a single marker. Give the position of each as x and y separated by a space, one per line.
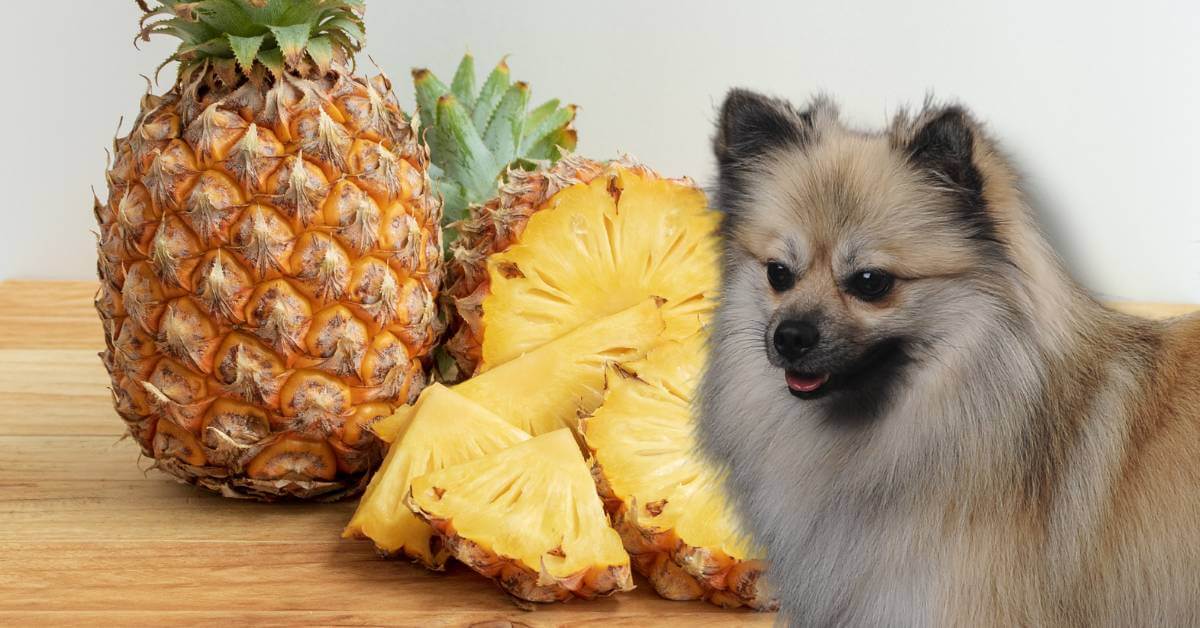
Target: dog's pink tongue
805 383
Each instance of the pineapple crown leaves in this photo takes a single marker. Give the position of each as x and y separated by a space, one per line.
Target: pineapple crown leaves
476 136
252 35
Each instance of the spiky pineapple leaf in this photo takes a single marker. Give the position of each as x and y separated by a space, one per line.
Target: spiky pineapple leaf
451 193
228 17
273 61
476 147
503 132
454 197
547 149
215 47
299 13
292 40
321 50
539 114
428 90
489 96
545 120
351 27
468 162
245 49
216 35
463 84
186 30
267 11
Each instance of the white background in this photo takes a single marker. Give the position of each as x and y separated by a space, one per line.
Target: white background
1098 101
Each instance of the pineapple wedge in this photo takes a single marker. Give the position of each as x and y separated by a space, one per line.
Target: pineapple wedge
547 388
442 429
529 518
667 504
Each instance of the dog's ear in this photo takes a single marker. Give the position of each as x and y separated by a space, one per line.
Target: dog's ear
944 145
752 124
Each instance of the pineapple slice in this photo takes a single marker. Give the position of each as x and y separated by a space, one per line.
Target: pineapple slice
582 240
390 428
667 504
547 388
551 386
442 429
712 549
528 517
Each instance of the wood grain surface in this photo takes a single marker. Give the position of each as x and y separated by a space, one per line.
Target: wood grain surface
90 535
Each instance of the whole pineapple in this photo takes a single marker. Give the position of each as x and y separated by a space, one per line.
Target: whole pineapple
269 253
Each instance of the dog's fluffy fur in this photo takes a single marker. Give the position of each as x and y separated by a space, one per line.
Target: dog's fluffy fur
1003 450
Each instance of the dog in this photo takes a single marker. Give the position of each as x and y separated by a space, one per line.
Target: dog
921 418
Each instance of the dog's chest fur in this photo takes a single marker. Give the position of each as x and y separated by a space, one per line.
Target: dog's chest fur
867 527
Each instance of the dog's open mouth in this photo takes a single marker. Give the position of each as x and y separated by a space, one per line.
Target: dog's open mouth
806 385
878 366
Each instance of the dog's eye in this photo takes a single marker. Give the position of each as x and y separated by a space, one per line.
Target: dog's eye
870 285
780 276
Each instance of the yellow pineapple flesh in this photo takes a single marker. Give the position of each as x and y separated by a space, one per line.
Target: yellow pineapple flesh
668 504
581 240
549 387
269 254
444 429
529 518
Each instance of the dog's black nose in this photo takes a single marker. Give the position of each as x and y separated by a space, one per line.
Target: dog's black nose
794 338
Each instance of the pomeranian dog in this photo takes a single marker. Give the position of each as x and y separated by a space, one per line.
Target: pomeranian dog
923 419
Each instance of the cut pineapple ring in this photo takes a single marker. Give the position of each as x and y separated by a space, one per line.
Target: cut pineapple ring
443 429
597 249
547 388
528 517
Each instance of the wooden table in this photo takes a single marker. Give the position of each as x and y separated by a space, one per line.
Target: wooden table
90 535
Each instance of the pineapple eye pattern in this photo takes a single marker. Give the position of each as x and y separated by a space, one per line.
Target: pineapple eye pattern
240 238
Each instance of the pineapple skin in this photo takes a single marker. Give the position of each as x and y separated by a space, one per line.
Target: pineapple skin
679 571
524 582
269 258
496 227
